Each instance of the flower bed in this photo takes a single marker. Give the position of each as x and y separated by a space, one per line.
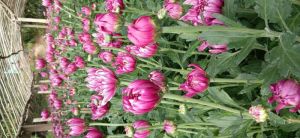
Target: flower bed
173 68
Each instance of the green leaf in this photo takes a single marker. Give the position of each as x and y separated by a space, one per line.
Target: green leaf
190 50
222 97
267 9
290 127
189 36
222 62
227 21
229 9
276 120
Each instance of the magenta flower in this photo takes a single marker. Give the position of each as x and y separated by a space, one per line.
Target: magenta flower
140 97
103 81
57 104
205 9
49 57
44 74
55 80
45 114
85 37
158 79
85 24
214 49
196 81
98 110
124 63
40 63
143 51
77 126
73 43
89 48
86 10
116 6
106 57
174 9
169 127
106 39
142 31
43 87
286 93
47 3
94 133
79 62
57 19
71 68
258 113
108 22
140 124
64 62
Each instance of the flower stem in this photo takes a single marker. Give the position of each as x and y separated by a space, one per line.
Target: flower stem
116 136
166 68
186 131
112 48
204 103
181 51
151 128
224 80
68 12
293 120
109 124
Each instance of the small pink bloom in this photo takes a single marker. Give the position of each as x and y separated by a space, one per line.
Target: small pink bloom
258 113
103 81
57 6
90 48
85 37
85 24
140 97
124 63
77 126
196 82
75 111
169 127
116 6
158 79
44 87
143 51
71 68
72 91
140 124
57 104
44 74
105 39
55 79
40 63
174 9
45 114
214 49
86 10
94 133
64 62
106 57
286 93
98 110
142 31
47 3
79 62
57 19
73 43
108 22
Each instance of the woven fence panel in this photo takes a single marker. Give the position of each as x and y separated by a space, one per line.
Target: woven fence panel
15 72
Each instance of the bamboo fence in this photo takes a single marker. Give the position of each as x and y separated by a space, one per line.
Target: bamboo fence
15 73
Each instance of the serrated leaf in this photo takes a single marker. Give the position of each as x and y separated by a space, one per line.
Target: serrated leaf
218 62
222 97
227 21
276 120
229 9
269 9
190 50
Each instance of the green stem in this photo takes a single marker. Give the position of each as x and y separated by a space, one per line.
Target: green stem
169 102
204 103
201 123
173 89
109 124
116 136
186 131
166 68
196 127
293 120
72 14
124 83
152 127
167 108
223 80
112 48
181 51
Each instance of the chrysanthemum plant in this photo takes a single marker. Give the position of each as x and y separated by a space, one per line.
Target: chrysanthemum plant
173 68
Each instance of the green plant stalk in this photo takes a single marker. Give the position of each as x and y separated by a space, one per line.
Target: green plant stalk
109 124
204 103
224 80
116 136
